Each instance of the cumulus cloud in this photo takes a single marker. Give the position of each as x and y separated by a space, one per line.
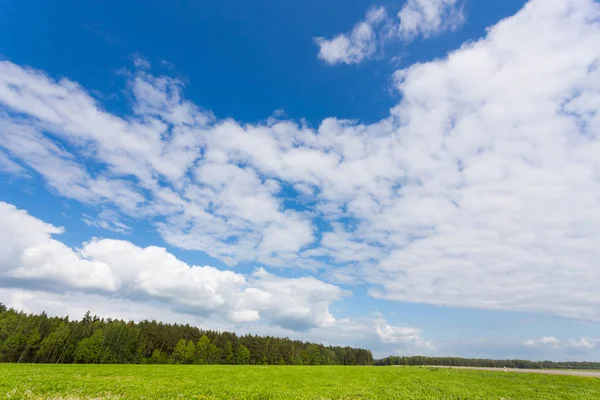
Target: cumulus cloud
581 343
479 190
429 17
33 259
149 164
353 48
416 18
356 332
553 342
500 142
406 337
545 340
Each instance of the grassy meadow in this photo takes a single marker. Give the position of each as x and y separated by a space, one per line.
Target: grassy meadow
36 381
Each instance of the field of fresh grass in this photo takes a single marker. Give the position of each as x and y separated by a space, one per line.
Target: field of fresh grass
19 381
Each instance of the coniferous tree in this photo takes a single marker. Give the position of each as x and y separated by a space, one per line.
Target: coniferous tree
229 356
42 339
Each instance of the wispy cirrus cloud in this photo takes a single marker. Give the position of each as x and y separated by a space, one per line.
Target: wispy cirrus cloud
10 166
106 219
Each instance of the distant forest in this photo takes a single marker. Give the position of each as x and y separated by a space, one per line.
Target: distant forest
474 362
37 338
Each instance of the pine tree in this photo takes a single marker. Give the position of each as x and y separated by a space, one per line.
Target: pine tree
39 338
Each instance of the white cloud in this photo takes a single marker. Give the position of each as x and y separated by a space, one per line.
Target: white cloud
141 63
148 164
31 258
416 18
76 304
306 300
581 344
545 340
9 166
500 148
479 190
361 43
406 337
345 332
60 168
106 219
429 17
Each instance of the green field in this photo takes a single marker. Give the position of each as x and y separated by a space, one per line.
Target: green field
19 381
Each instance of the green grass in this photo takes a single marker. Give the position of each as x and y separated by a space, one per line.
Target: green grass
18 381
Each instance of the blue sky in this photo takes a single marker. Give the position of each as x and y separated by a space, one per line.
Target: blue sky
414 177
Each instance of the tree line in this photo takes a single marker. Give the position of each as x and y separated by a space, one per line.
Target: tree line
474 362
38 338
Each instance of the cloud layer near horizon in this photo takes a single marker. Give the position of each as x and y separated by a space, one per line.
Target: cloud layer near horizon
481 189
31 258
